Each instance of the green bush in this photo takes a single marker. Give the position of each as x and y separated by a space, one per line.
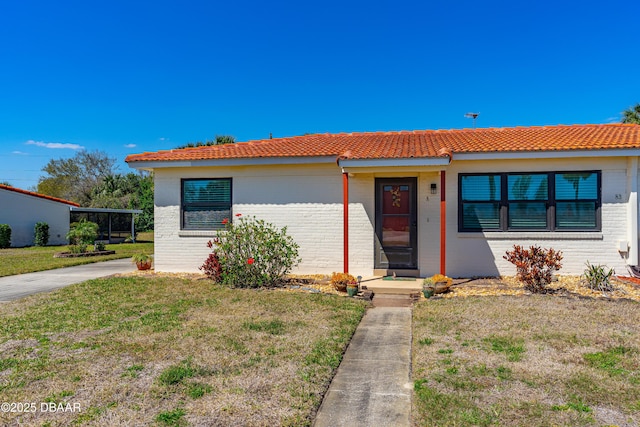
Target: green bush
41 231
81 235
253 253
5 236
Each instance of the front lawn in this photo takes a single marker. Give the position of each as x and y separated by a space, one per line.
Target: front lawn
27 260
134 350
542 360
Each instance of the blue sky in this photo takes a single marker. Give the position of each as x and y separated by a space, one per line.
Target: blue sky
132 76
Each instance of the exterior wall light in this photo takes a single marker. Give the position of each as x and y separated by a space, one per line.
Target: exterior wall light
434 188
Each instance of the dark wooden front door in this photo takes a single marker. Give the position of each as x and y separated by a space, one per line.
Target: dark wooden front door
396 223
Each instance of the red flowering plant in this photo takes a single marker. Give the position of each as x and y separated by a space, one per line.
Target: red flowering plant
252 253
535 266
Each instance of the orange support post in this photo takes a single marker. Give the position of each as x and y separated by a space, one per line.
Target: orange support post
345 221
443 223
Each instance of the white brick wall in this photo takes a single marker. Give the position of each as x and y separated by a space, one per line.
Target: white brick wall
472 254
308 200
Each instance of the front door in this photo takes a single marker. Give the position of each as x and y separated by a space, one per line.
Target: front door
396 223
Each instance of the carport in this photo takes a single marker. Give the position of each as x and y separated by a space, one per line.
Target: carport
114 225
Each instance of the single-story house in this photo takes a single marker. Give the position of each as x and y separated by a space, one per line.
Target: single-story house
22 209
417 202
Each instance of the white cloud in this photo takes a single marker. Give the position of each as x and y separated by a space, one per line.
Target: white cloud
54 145
163 139
130 145
22 153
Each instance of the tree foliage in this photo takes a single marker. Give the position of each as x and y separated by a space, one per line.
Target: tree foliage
130 191
89 179
74 178
219 140
631 115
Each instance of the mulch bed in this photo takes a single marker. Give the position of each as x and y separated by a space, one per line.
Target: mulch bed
625 288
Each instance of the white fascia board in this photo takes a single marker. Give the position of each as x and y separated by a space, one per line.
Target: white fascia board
413 162
105 210
254 161
497 155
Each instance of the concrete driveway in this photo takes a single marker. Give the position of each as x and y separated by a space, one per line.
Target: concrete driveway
21 285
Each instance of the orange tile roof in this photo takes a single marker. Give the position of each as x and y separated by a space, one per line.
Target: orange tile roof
408 144
42 196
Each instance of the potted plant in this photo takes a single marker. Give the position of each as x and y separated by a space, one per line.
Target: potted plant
341 280
428 287
352 288
441 283
142 261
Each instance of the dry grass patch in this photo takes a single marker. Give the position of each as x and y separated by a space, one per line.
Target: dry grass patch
171 351
526 360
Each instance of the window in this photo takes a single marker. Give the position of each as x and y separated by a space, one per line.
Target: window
528 199
205 203
551 201
480 205
577 200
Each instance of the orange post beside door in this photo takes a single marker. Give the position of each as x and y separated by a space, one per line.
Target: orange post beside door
345 202
443 223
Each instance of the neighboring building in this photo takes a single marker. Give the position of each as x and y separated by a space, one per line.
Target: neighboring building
422 202
22 209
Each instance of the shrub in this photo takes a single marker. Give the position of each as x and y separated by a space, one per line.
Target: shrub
341 280
41 232
597 277
534 266
81 235
5 236
254 253
212 267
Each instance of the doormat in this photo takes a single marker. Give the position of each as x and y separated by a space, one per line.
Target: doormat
400 279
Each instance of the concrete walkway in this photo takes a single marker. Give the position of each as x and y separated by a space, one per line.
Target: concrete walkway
21 285
372 386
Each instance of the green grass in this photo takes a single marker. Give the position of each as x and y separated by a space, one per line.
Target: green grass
537 360
171 418
31 259
139 350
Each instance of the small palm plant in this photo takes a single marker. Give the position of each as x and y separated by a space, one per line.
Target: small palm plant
598 278
81 235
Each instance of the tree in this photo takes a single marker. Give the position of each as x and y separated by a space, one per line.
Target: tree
631 115
130 191
74 178
220 139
